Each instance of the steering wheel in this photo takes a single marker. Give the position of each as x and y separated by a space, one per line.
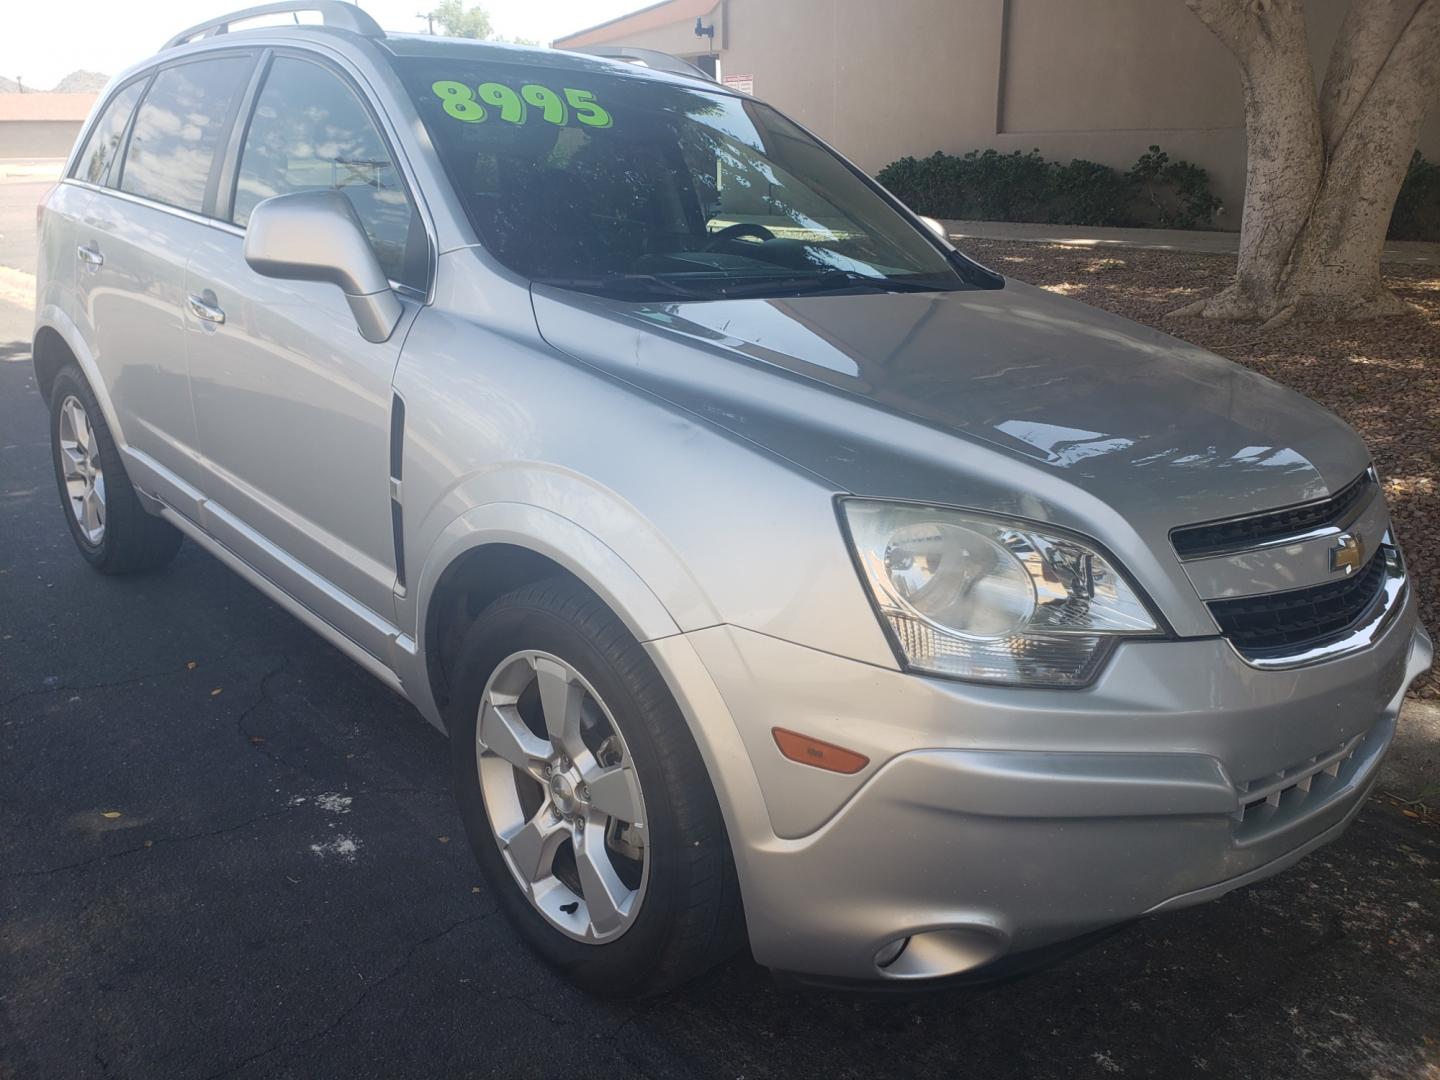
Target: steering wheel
739 229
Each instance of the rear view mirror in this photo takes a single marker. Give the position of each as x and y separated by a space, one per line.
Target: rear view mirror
316 236
935 227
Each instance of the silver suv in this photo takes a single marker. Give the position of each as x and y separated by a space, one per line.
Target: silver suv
778 573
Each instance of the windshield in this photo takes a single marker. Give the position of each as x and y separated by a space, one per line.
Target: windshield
642 189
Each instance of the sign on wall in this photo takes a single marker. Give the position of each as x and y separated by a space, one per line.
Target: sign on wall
745 84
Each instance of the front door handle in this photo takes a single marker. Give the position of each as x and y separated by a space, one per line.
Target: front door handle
204 307
90 257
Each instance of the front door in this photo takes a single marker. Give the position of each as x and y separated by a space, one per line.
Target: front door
293 406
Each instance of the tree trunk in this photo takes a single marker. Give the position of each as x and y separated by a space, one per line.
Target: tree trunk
1284 155
1372 106
1322 175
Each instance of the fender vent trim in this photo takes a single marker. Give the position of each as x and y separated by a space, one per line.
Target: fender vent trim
397 509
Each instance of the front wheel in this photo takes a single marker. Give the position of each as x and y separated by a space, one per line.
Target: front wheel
584 797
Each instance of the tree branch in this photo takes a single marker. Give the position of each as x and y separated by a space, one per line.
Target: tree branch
1368 37
1247 26
1226 19
1415 59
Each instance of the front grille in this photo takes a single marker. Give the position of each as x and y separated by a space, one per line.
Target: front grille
1238 534
1285 622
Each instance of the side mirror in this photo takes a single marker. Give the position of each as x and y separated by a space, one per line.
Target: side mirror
316 236
935 227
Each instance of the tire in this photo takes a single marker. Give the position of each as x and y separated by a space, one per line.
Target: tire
686 915
120 537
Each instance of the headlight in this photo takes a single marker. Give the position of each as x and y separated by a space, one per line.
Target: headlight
992 600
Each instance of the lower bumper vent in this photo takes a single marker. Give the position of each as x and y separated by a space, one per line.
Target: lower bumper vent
1269 803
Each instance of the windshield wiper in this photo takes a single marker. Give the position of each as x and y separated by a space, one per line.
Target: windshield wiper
834 279
740 286
609 283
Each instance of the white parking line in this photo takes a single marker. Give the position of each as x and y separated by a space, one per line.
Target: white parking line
31 168
17 287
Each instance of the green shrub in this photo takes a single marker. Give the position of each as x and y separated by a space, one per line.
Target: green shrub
1088 193
991 186
986 184
1417 209
1007 187
1176 193
926 182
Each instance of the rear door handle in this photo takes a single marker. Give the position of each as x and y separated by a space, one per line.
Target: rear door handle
204 307
90 257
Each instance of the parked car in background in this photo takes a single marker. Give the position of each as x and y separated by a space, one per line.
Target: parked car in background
779 574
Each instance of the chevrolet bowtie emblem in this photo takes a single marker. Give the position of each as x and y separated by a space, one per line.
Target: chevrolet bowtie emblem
1348 554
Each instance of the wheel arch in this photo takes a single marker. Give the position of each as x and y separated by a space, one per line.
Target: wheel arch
499 547
49 353
57 342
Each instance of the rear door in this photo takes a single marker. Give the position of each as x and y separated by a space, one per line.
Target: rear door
132 246
293 405
60 254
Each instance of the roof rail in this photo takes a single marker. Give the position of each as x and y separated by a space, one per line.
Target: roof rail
333 12
651 58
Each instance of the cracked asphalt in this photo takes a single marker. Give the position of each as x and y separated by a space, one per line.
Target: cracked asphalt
226 851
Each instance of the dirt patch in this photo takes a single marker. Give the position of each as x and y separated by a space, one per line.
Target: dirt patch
1381 376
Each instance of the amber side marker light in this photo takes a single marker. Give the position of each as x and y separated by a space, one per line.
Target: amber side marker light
822 755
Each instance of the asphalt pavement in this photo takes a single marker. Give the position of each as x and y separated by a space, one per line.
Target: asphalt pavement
226 851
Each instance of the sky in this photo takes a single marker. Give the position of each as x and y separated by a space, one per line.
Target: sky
42 41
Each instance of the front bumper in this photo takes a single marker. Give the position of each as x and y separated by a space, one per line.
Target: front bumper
993 821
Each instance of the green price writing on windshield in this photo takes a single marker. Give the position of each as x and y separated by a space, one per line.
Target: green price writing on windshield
472 106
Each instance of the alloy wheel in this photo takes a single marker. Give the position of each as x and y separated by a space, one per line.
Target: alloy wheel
562 796
84 475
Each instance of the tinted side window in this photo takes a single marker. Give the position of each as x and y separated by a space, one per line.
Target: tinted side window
309 131
94 161
178 130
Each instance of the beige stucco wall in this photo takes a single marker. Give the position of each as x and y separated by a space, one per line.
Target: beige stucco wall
37 138
1106 84
1099 79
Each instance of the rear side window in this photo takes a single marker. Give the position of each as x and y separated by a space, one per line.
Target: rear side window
94 161
311 132
179 128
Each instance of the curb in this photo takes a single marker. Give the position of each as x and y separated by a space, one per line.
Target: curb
1411 770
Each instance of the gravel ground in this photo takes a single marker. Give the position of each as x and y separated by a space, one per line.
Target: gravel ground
1381 376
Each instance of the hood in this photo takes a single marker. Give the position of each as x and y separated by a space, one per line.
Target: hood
1130 415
